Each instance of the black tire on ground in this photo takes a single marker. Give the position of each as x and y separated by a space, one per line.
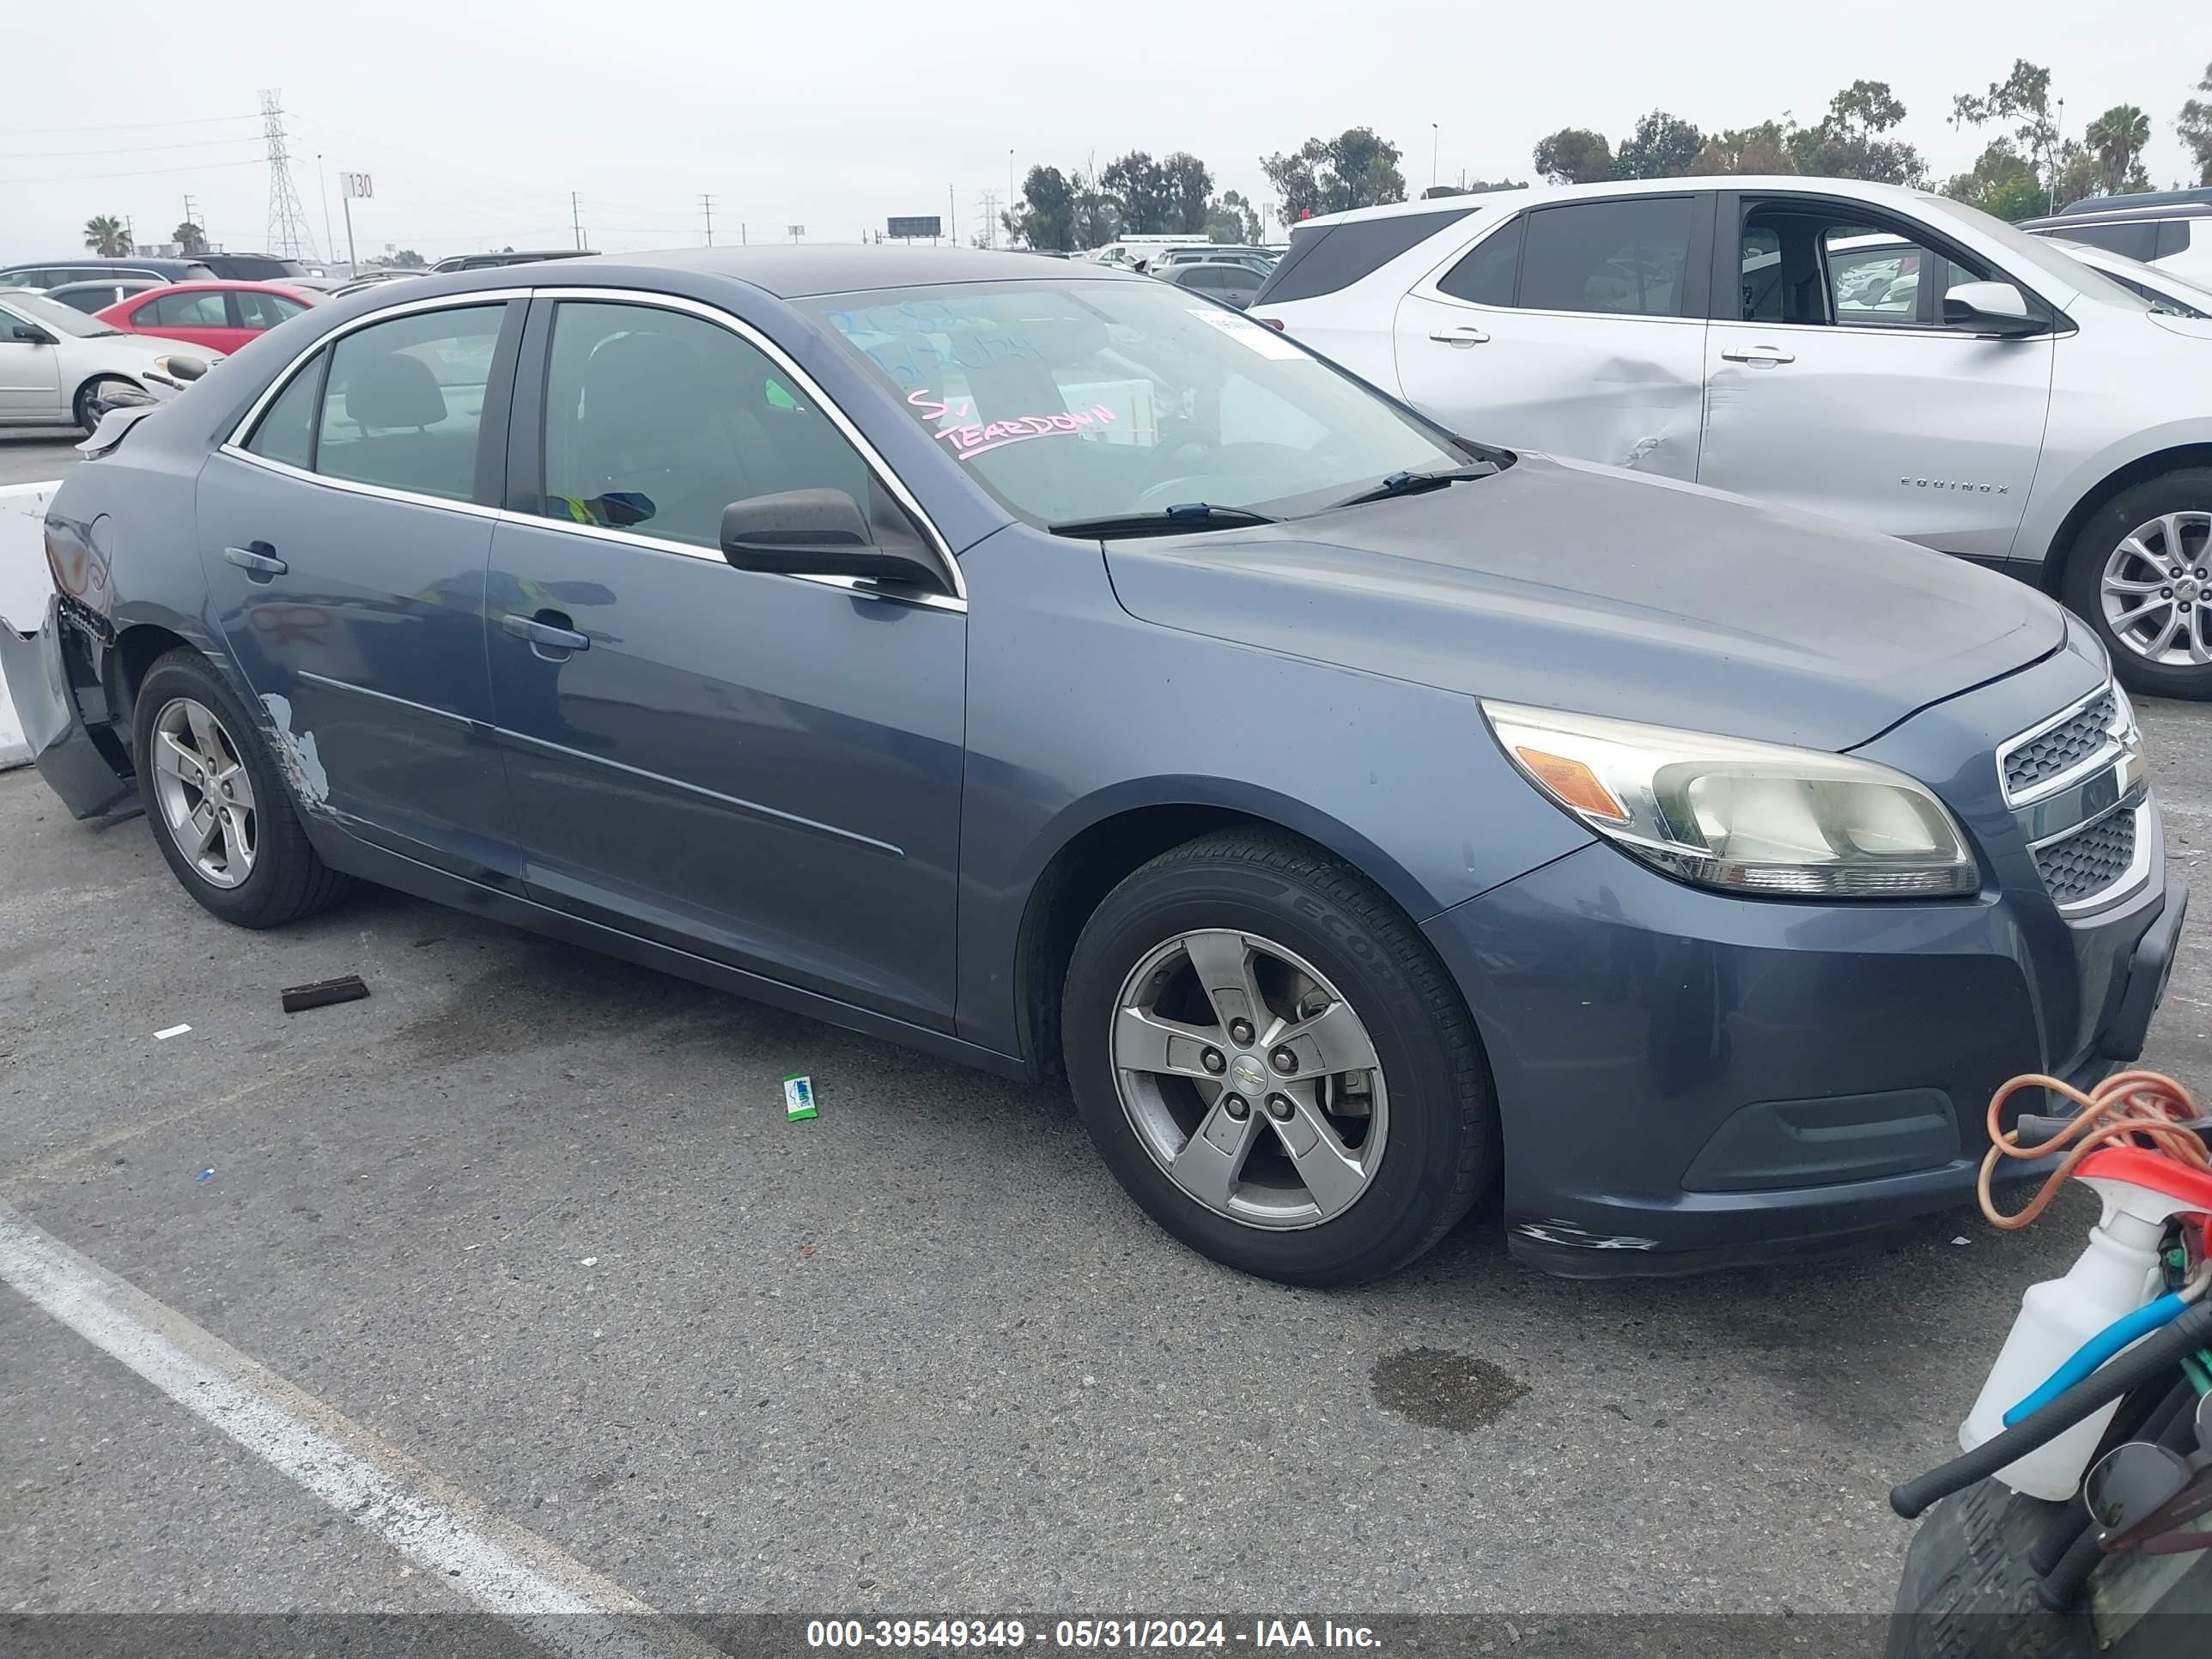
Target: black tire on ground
1968 1591
2185 489
288 880
81 406
1442 1147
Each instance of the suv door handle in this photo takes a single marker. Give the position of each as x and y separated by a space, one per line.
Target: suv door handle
1766 356
258 562
1459 334
550 634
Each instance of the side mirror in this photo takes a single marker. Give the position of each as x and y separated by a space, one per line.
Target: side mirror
814 532
184 369
1990 309
30 334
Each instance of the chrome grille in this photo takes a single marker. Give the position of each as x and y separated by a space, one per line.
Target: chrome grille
2061 748
2089 860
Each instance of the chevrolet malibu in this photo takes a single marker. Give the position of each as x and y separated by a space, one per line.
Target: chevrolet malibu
1052 670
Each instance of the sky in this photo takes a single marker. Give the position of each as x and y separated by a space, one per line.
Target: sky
476 119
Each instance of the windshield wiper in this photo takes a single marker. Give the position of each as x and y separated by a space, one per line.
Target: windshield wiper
1169 521
1412 483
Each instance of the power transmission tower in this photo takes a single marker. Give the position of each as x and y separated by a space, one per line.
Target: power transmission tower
708 202
288 235
990 210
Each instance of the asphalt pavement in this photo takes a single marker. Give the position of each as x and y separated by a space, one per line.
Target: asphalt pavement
531 1226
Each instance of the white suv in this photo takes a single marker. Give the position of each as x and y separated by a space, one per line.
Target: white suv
1877 354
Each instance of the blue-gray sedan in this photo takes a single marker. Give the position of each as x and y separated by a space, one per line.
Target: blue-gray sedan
1051 669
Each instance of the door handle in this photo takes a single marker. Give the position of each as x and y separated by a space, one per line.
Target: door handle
545 635
1459 334
1766 356
258 562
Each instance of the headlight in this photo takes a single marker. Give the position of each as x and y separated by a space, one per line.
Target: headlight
1749 818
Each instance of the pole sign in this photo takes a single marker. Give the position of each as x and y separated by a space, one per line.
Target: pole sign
358 184
917 225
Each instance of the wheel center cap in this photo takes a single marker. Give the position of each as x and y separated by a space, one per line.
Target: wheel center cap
2186 588
1251 1075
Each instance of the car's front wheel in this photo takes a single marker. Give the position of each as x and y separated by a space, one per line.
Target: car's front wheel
2141 572
216 803
1275 1064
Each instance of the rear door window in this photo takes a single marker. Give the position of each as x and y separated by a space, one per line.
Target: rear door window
200 310
405 399
1486 276
1625 257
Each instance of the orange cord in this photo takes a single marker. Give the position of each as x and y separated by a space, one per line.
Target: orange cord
2137 1109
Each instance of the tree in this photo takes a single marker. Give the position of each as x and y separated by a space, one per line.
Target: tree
1045 215
2118 137
2022 98
1233 218
1190 192
190 239
1574 155
1354 169
1140 184
1847 141
1663 146
1097 215
406 259
105 235
1763 149
2002 183
2194 127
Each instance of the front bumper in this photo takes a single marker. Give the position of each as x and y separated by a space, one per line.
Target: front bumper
1687 1080
50 680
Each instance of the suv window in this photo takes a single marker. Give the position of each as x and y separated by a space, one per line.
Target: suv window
286 431
1486 276
2173 236
655 421
1874 280
1332 257
405 400
1623 257
1806 262
2137 239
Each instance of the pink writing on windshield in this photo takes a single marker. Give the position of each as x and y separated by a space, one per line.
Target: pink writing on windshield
975 437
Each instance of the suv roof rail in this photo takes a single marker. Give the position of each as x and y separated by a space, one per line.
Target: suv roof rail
2141 198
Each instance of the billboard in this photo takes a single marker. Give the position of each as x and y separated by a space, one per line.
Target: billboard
919 225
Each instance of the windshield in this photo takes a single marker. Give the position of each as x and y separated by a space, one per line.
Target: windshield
52 314
1089 399
2041 252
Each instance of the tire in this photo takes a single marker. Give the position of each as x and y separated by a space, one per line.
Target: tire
2148 507
1307 932
267 874
1969 1592
90 393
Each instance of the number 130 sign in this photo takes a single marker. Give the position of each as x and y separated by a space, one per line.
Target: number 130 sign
358 184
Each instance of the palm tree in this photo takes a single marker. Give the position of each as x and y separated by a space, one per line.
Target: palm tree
105 235
2118 136
190 239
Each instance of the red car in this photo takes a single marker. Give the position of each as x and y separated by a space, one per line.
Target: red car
221 316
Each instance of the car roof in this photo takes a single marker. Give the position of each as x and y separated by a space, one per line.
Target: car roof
2120 216
234 285
1858 188
792 272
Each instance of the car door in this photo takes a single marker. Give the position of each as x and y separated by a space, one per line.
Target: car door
30 369
344 531
1577 329
762 769
197 316
1833 383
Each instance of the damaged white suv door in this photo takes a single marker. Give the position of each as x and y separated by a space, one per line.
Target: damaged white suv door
1579 328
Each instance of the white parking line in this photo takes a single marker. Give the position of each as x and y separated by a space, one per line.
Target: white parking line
556 1602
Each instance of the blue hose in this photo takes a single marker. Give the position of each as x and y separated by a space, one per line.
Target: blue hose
2127 1329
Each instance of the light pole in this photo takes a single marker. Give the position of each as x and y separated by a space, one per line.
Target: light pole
1436 140
1010 190
323 178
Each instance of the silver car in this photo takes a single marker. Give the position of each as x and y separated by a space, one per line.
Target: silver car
1877 354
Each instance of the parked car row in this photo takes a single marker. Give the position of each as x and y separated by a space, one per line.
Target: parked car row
1872 354
61 367
1011 657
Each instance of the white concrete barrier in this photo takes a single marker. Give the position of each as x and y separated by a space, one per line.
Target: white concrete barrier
24 586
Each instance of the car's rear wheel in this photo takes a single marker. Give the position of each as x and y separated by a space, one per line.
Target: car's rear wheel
1275 1064
2141 572
84 409
218 803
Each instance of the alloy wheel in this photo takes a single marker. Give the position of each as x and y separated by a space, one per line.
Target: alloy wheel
1249 1079
204 792
2156 586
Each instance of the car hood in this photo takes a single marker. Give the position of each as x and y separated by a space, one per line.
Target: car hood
1575 586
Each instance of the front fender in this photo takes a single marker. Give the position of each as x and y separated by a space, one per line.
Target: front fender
2066 479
